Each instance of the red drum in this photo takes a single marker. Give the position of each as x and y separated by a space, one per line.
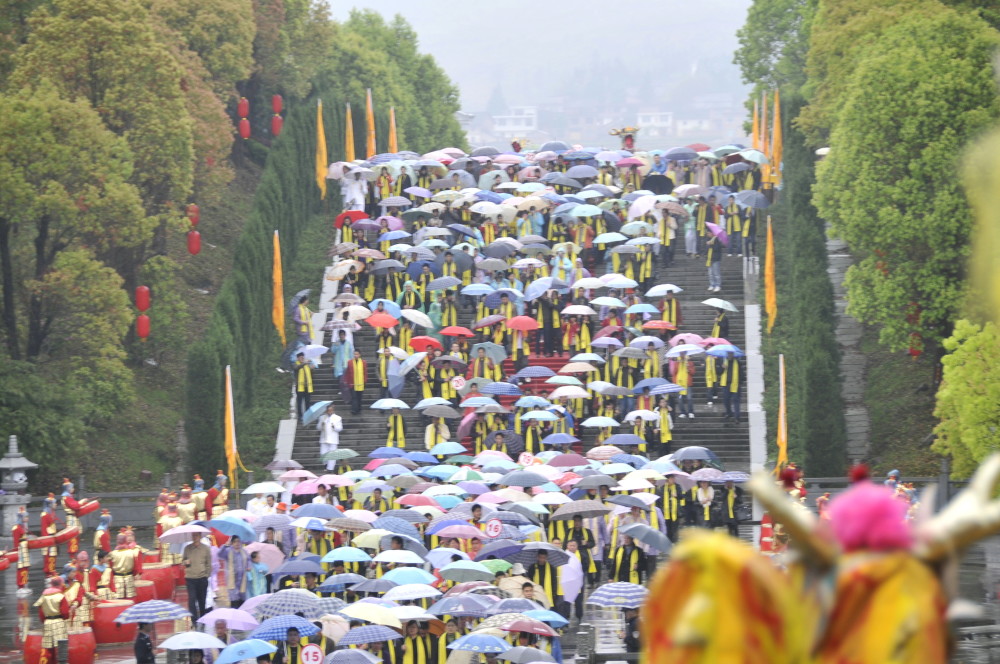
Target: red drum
42 542
66 534
179 579
82 647
87 506
150 557
144 591
106 630
162 575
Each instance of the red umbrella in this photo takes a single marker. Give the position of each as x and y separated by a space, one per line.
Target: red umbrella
659 325
381 320
423 344
353 215
699 147
466 587
608 331
630 161
568 479
489 320
523 323
457 331
417 500
713 341
529 626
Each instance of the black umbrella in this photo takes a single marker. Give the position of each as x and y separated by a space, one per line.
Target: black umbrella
584 508
612 221
374 586
564 181
298 297
595 481
529 554
524 654
462 260
522 510
443 183
384 265
499 250
629 501
553 146
283 464
603 190
485 151
658 184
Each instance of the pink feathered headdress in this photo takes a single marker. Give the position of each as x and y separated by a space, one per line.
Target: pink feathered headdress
867 517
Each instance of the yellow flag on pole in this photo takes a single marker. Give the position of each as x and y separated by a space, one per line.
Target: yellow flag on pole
765 169
770 289
777 141
393 144
348 136
782 418
322 163
232 454
755 136
370 121
278 291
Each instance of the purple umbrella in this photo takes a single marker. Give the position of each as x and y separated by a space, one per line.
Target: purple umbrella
717 232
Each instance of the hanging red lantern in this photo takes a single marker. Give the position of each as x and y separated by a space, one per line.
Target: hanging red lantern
916 345
194 214
142 326
244 128
276 124
277 103
142 298
243 107
194 243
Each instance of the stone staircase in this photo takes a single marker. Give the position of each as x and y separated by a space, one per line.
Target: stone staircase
366 432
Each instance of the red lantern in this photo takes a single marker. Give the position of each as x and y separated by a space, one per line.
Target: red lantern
277 103
276 124
142 326
243 107
194 243
244 128
194 214
142 298
916 345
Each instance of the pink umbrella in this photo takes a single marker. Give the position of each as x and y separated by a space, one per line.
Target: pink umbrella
252 603
270 555
687 338
182 534
414 499
629 161
508 159
545 155
394 223
461 532
361 515
294 475
718 232
466 426
235 618
530 173
334 480
711 341
249 517
309 486
491 498
375 463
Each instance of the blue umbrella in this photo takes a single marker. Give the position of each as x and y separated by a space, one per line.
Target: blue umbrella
386 453
445 523
539 287
620 594
508 389
391 307
532 401
723 350
447 502
431 401
448 447
540 415
374 586
441 472
477 643
535 372
151 611
405 575
734 476
460 605
477 289
249 649
394 525
389 404
642 308
291 567
493 299
317 510
633 460
500 549
751 198
490 196
393 235
554 198
234 527
669 388
337 582
738 167
368 634
390 470
417 456
348 554
315 411
352 656
650 383
513 605
276 628
559 439
546 616
416 267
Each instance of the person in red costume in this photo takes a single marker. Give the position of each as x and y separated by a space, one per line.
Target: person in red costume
20 534
102 536
49 528
53 611
126 564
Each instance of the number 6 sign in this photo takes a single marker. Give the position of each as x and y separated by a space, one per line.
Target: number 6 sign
312 654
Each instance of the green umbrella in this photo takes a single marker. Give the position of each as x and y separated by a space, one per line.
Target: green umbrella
339 454
496 565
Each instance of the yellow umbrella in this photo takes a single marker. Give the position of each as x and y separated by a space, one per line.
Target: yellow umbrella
578 367
370 538
645 474
372 613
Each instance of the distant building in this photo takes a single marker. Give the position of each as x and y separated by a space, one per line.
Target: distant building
655 124
520 121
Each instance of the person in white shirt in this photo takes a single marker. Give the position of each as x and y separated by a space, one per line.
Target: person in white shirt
324 496
330 425
257 504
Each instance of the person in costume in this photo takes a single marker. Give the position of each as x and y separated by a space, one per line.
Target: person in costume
53 611
19 533
48 527
126 564
82 592
102 576
168 521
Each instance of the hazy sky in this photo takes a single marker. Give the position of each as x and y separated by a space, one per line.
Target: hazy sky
532 47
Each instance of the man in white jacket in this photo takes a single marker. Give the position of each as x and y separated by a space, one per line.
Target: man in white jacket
330 425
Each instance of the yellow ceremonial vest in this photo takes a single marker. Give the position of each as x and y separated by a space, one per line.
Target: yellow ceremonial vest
359 375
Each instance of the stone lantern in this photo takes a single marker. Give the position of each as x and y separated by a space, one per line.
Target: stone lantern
14 482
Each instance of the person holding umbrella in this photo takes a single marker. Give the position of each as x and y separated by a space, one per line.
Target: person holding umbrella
628 562
143 646
546 575
729 383
734 226
713 261
303 385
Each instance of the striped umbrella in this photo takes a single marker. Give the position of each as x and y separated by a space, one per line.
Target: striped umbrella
529 554
369 634
619 594
503 389
352 656
479 643
460 605
151 611
289 601
276 628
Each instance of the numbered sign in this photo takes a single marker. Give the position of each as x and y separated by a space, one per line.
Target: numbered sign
458 382
526 459
494 527
312 654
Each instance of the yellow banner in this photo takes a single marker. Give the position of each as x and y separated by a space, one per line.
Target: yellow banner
393 143
277 291
370 121
770 288
322 163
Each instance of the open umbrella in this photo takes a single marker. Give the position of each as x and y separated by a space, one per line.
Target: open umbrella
191 641
369 634
480 643
152 611
585 508
248 649
235 618
647 535
525 655
619 594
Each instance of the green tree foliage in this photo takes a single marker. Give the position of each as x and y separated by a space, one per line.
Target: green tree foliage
968 401
916 98
774 42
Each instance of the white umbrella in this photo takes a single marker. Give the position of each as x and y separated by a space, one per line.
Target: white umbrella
418 317
410 591
263 487
182 534
192 641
